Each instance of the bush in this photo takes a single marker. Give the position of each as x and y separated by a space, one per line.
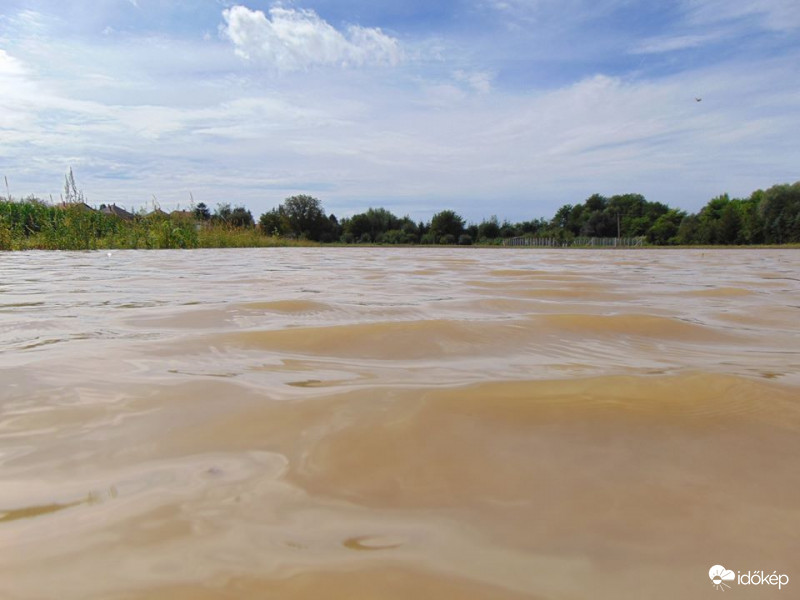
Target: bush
5 237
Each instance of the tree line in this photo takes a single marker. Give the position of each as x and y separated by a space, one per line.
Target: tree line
769 216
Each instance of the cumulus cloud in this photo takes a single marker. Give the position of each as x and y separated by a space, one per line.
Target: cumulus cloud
9 65
290 39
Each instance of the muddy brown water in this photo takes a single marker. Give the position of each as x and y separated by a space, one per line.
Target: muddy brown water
397 423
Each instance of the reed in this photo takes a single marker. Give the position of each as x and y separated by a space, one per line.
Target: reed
34 225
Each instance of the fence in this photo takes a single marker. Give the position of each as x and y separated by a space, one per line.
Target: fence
579 242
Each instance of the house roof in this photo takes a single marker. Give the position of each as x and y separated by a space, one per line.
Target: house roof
76 205
114 210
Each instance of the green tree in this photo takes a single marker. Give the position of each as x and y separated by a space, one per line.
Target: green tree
752 223
222 213
201 212
410 230
274 222
241 217
374 224
562 217
689 230
447 223
596 203
489 229
665 229
780 210
728 227
306 216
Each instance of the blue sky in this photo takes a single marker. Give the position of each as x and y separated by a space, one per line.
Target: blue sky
489 107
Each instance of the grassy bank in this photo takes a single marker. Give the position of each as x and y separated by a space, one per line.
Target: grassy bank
33 225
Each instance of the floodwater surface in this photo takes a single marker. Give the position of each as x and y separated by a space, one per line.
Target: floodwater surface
397 423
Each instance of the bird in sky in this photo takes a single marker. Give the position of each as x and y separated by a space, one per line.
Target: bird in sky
698 99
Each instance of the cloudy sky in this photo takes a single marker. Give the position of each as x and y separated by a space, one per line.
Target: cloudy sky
506 107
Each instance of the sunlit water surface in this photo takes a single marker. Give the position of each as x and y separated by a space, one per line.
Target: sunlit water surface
397 423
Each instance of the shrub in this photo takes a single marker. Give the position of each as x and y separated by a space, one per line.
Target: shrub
428 238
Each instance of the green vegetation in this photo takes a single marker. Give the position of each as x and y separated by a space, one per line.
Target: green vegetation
766 217
33 225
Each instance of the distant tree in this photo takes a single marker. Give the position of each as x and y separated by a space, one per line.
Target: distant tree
728 227
410 230
780 210
306 216
237 216
201 212
427 238
359 225
595 202
332 231
562 216
599 224
447 223
508 230
532 227
689 230
375 222
222 213
241 217
274 223
665 230
752 229
489 229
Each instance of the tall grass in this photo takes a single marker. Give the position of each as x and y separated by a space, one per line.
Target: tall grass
226 236
33 224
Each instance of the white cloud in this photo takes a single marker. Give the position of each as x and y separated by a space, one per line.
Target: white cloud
777 15
137 114
706 22
677 42
290 39
480 81
9 65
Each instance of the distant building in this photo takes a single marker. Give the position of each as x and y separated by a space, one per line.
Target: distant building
116 211
81 206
